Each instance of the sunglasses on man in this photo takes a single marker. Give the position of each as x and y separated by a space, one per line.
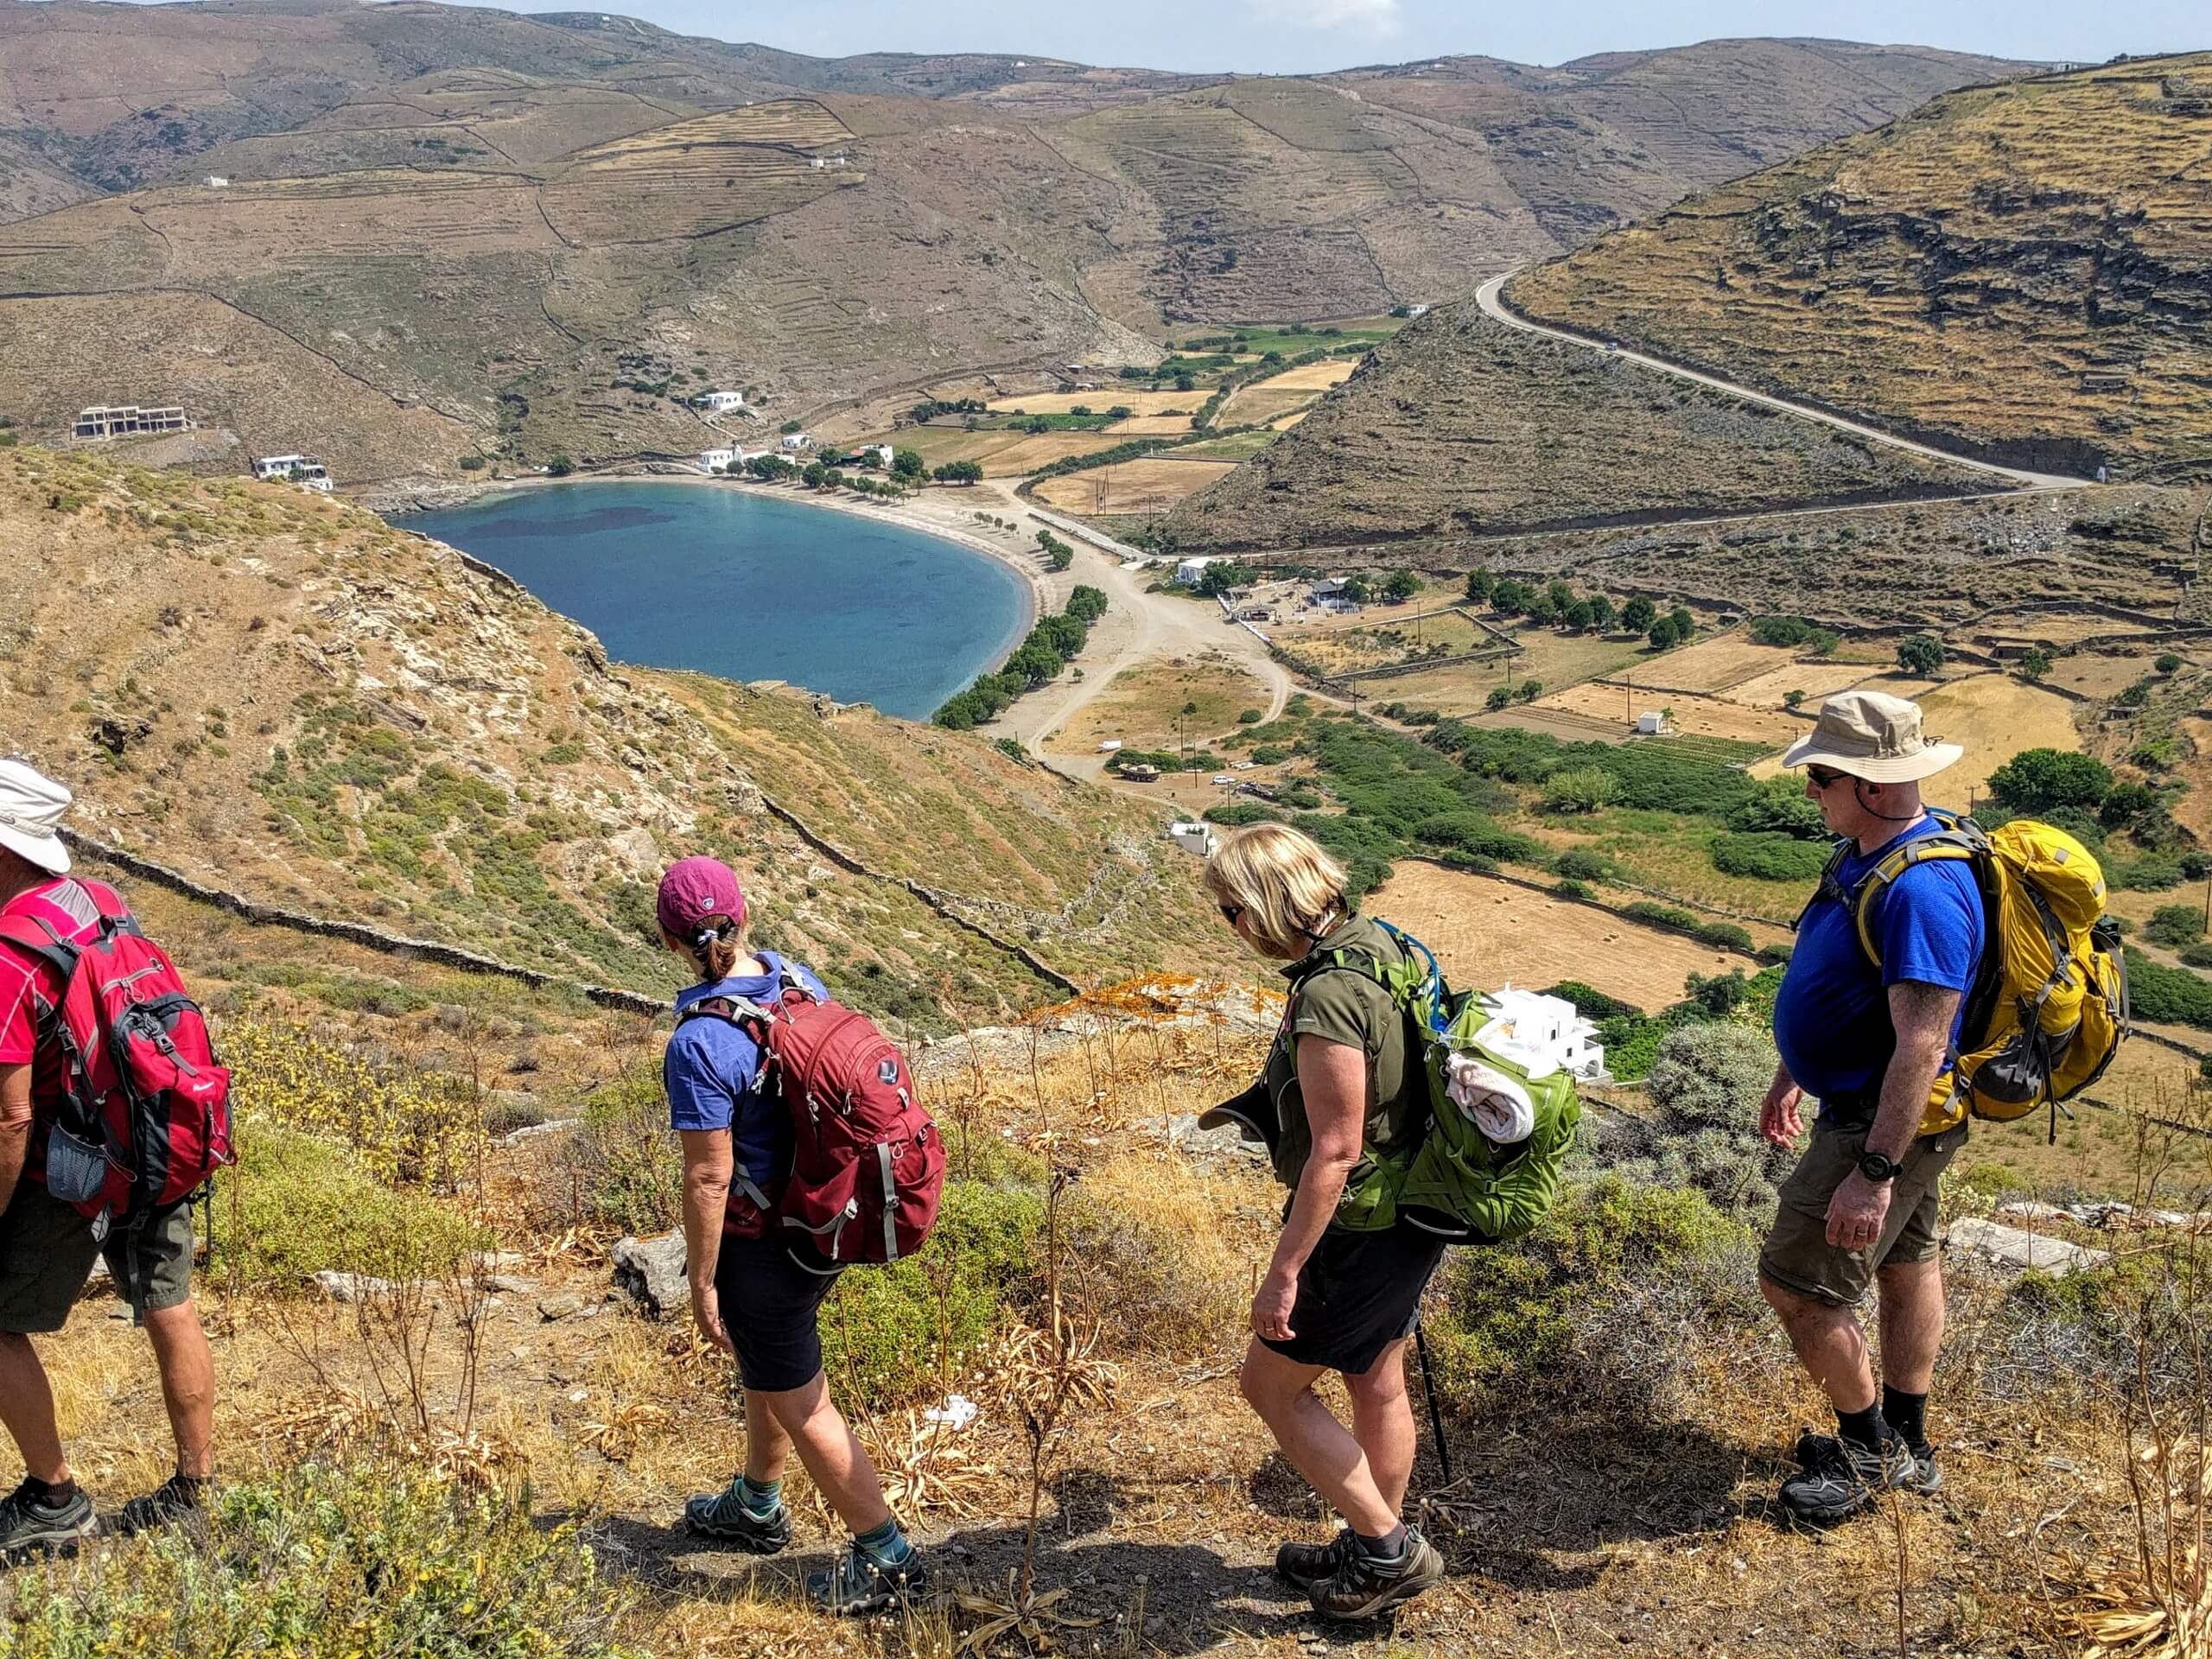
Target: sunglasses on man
1821 778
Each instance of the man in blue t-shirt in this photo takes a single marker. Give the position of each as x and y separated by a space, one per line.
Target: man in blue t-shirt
1870 1041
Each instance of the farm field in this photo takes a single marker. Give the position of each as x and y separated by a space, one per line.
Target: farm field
2096 675
1994 717
1379 638
1003 454
1690 716
1147 486
1262 339
1547 657
1239 446
1139 706
1717 664
1815 679
1486 932
1151 426
1308 376
1064 402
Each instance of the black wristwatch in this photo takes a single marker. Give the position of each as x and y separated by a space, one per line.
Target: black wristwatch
1877 1168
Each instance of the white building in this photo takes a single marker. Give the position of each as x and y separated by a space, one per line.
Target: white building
217 181
798 440
1416 311
1188 571
303 470
128 420
717 461
1543 1033
718 402
1192 836
1652 724
883 452
826 161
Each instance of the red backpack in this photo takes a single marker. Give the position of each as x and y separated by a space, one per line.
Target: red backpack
867 1165
144 1116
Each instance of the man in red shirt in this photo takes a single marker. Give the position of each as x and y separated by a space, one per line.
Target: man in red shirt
47 1247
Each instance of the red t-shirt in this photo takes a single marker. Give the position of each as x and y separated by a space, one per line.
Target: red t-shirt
29 986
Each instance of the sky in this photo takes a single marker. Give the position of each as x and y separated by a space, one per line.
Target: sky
1299 36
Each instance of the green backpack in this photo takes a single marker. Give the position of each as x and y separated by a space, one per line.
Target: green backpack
1456 1183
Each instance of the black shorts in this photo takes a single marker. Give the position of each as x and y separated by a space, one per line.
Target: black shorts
1357 1293
769 1304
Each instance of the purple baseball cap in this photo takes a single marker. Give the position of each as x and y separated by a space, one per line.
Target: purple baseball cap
694 889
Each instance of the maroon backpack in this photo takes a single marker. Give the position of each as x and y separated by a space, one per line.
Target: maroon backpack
144 1114
867 1164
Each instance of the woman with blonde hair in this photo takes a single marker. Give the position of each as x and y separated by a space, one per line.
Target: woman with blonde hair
752 1294
1344 1086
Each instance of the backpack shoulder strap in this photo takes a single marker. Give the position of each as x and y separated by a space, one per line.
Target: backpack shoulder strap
1960 840
34 939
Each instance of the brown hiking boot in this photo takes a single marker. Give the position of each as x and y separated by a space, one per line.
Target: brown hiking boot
1364 1586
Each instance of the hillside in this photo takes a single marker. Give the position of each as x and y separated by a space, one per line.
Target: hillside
2021 271
449 232
1460 424
284 697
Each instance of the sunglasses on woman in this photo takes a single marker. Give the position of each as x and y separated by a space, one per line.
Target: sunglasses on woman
1229 913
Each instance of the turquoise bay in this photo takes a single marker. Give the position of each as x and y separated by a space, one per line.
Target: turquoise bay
751 586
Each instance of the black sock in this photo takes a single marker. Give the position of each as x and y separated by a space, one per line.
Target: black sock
1387 1548
52 1493
1864 1429
1907 1414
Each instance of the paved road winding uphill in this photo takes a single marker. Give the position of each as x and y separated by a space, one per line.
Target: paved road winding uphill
1489 297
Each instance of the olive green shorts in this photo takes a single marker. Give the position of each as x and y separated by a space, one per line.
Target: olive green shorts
46 1252
1798 1256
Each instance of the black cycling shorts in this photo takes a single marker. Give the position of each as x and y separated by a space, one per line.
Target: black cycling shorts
770 1306
1357 1293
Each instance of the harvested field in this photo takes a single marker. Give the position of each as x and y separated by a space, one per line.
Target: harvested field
1380 639
1003 454
1995 717
1064 402
1289 420
1486 932
1151 486
1139 706
1312 376
1716 665
1816 679
1252 404
1693 717
1562 723
1151 426
2094 674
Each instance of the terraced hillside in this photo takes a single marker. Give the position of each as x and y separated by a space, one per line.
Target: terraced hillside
283 696
1462 424
2023 270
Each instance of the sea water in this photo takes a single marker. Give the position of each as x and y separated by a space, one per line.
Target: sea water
751 586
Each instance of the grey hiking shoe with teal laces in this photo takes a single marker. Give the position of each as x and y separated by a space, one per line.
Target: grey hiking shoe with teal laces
723 1517
29 1525
1844 1478
1304 1565
859 1584
1927 1477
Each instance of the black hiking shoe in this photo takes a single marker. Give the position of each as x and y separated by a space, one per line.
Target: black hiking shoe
1304 1565
859 1585
1927 1478
31 1526
177 1498
1363 1586
723 1517
1843 1478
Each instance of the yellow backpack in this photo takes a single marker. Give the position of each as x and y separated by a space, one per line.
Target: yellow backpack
2048 1009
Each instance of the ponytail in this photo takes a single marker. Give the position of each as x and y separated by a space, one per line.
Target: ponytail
715 948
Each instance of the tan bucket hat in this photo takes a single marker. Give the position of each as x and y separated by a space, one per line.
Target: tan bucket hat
1872 736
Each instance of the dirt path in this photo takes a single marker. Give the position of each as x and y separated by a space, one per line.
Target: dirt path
1489 297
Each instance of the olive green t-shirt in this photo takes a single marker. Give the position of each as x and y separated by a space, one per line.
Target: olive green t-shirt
1344 1005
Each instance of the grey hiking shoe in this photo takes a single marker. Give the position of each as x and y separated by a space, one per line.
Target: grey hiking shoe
1363 1586
1304 1565
1927 1477
858 1585
30 1525
178 1498
723 1517
1843 1478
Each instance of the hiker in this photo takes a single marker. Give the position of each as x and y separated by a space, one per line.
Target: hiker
1870 1043
1339 1079
48 1247
752 1295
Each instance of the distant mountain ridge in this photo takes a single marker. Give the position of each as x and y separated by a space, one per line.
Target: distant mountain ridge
449 232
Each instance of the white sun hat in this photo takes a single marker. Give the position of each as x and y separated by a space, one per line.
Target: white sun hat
1872 736
31 805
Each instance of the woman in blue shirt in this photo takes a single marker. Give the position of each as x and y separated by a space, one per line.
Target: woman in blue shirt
751 1292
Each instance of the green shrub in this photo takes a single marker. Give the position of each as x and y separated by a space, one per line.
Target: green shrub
627 1161
1569 887
2035 781
1667 916
1601 1306
2175 926
1579 789
1705 1083
1768 857
890 1331
1778 806
1242 813
1581 864
1592 1003
2172 995
372 1560
297 1204
2198 955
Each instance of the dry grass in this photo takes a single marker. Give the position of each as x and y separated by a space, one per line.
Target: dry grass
1143 706
1692 716
1994 717
1150 484
1064 402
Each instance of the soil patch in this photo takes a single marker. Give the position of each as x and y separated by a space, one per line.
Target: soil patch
1132 486
1064 402
1139 706
1690 716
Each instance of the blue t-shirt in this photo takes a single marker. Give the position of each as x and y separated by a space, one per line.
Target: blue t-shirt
1832 1018
712 1068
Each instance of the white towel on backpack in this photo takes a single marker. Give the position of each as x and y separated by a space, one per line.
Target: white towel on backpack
1494 1102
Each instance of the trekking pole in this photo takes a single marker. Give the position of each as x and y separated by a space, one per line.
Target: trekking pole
1428 1388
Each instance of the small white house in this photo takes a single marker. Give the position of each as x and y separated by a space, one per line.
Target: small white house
883 452
798 440
1110 745
1651 724
1188 571
717 461
1544 1033
1192 836
718 402
217 181
1416 311
303 470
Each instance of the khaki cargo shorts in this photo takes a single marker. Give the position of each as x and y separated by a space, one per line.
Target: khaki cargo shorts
46 1252
1798 1256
